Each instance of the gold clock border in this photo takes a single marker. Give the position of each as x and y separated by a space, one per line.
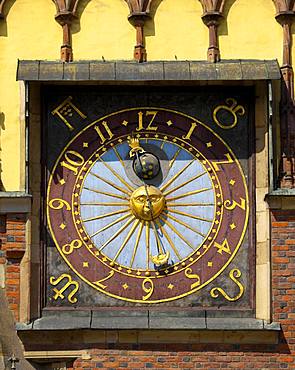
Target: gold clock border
144 277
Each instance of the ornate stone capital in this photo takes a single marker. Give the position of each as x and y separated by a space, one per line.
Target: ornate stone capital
212 14
65 11
65 14
284 5
139 6
139 13
2 2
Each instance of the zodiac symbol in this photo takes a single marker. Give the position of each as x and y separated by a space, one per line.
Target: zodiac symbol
58 293
66 109
234 273
189 274
231 107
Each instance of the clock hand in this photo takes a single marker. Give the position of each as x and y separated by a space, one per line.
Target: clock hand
162 257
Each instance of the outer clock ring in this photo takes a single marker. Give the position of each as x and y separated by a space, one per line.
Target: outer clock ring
147 284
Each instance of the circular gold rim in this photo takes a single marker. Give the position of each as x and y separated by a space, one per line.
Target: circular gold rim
143 277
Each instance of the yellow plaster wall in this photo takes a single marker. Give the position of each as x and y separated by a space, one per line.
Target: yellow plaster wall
177 31
104 31
26 34
250 31
30 32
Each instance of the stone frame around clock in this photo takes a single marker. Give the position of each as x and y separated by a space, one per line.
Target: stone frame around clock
262 301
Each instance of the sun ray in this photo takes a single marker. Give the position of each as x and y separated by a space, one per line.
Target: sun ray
169 239
122 228
185 224
111 224
106 193
176 175
171 162
119 157
189 215
136 243
147 241
190 204
158 241
185 183
162 145
176 232
128 236
111 184
120 178
106 215
188 194
106 204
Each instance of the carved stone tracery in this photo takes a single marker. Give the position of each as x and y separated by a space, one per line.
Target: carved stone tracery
139 13
66 13
212 15
285 16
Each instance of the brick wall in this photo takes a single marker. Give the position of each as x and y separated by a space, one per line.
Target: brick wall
12 248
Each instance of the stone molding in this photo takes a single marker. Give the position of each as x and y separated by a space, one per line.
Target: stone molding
15 202
139 320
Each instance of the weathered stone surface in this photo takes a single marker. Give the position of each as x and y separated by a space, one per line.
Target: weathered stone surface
229 71
177 71
51 71
234 324
54 320
76 71
177 320
101 71
148 71
139 71
272 326
119 319
203 71
254 70
28 70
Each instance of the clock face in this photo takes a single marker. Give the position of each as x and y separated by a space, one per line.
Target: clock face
147 205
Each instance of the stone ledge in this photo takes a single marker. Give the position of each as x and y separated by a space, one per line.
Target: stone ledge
93 70
177 320
67 340
15 202
138 320
281 199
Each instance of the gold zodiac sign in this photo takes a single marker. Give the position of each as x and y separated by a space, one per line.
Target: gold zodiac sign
66 109
189 274
231 107
59 293
234 274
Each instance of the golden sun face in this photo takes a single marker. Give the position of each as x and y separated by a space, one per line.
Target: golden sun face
147 202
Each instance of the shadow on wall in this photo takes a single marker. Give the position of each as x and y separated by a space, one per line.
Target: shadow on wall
3 25
150 28
76 27
223 29
9 342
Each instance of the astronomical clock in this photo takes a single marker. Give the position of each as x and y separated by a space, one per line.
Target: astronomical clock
147 197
